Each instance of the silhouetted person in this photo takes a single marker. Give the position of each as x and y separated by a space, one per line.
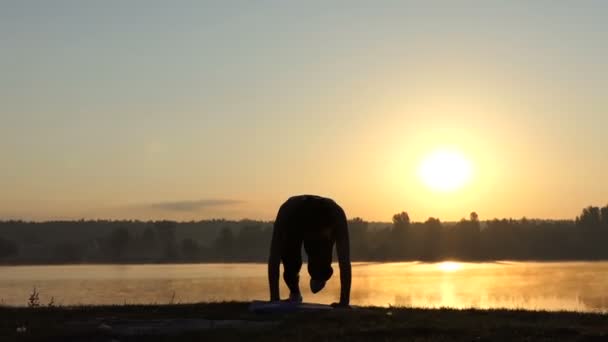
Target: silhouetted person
317 223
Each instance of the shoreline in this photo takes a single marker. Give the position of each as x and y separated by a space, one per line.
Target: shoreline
492 261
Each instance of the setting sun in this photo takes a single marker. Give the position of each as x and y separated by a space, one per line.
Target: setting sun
445 170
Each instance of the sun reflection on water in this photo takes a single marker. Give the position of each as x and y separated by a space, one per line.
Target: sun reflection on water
570 286
449 266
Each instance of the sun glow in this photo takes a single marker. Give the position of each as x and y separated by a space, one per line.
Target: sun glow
449 266
445 170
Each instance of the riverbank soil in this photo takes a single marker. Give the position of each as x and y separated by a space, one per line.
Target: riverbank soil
234 322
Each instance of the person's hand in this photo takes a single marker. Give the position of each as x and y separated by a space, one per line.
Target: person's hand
340 306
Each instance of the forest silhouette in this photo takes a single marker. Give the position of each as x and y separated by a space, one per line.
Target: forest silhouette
470 239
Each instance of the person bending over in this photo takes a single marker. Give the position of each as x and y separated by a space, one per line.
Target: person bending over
317 223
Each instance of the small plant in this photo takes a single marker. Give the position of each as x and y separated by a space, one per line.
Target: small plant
34 300
172 301
52 302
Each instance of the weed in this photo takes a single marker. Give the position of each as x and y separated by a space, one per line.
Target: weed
34 300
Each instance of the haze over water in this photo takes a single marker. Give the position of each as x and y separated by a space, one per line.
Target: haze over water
572 286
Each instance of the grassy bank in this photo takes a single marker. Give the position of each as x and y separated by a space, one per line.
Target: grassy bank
97 323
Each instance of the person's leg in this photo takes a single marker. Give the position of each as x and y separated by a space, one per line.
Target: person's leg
319 262
292 263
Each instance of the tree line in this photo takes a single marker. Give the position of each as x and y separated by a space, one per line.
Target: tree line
584 238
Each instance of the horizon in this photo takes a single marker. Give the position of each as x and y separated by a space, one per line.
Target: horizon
246 219
206 109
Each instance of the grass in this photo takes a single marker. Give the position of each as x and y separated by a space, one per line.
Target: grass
363 324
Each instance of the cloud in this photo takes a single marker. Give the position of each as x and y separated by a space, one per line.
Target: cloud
196 205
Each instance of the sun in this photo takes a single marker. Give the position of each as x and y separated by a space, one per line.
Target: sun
445 170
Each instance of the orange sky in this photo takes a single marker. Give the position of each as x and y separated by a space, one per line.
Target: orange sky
196 112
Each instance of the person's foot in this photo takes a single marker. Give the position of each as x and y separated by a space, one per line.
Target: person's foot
295 298
316 285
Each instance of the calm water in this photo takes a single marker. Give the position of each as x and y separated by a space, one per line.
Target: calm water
577 286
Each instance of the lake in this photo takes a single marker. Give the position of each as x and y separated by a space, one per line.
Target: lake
572 286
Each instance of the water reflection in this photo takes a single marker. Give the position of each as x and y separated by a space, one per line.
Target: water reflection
449 266
576 286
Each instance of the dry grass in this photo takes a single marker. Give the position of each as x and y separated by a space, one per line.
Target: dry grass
364 324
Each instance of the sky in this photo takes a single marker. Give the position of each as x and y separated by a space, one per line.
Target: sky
191 110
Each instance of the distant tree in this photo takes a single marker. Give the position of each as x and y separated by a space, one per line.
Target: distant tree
474 217
380 244
590 217
224 244
466 242
68 252
431 241
251 243
401 220
8 248
398 243
604 216
166 235
117 243
432 222
148 238
357 226
359 241
190 249
247 240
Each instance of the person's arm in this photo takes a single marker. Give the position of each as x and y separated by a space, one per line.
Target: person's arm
343 251
274 263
